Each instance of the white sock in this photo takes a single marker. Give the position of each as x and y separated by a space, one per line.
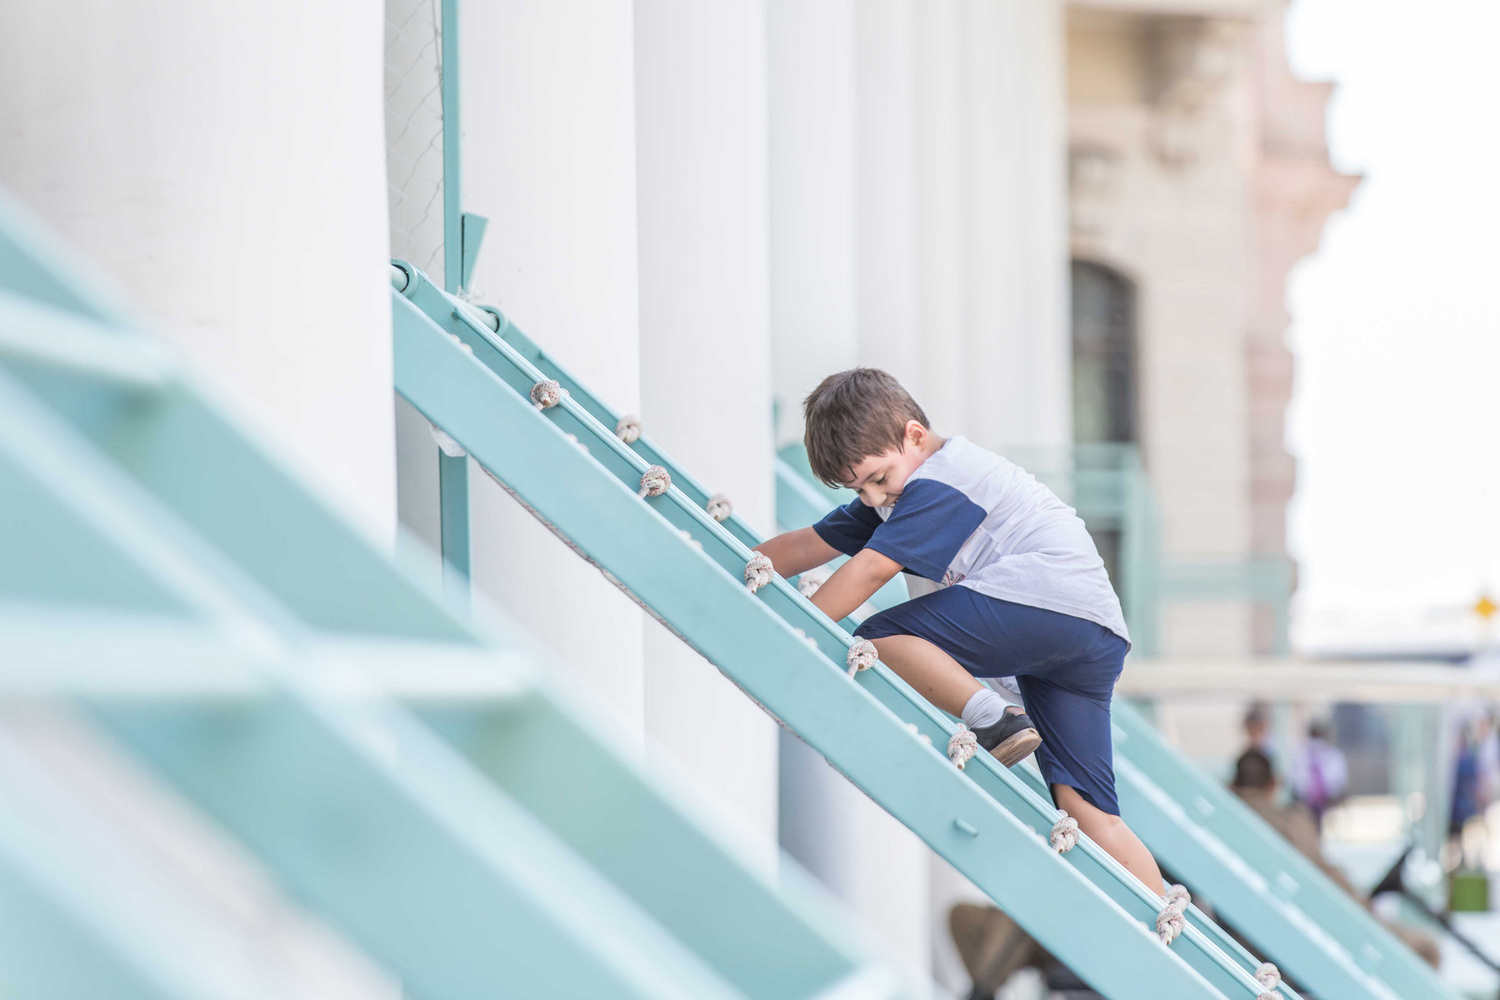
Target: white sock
984 709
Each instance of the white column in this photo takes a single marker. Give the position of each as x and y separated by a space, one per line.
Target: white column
549 158
812 151
840 296
706 348
992 226
942 310
225 163
886 191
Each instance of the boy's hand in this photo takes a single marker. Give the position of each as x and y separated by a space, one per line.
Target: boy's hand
854 583
796 551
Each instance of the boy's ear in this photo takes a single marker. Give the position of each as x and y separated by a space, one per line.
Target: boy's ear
915 433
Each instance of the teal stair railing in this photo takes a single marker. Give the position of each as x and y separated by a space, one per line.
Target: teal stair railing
1278 900
470 372
413 783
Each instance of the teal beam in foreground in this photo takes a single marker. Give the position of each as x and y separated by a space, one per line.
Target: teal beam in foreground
983 820
78 921
256 669
382 827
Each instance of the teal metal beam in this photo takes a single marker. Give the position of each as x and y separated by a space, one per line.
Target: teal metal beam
248 513
380 826
35 265
81 917
984 820
472 229
453 471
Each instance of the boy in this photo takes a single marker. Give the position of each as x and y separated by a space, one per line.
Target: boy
1005 580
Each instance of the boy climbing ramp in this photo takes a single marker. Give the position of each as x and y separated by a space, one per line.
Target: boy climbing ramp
1005 581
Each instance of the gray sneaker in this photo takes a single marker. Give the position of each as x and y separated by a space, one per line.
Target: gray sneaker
1011 740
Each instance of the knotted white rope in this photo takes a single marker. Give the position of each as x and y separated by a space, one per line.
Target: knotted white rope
654 482
629 428
1064 833
962 746
719 508
446 444
918 733
861 656
758 572
1269 978
547 394
1171 920
808 584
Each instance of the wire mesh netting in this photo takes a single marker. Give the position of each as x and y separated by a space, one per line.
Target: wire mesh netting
414 131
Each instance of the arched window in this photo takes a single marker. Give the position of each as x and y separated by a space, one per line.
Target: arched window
1104 372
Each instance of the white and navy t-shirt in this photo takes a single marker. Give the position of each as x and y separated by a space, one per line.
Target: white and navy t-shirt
966 516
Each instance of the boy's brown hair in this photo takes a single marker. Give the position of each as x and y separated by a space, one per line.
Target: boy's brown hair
852 415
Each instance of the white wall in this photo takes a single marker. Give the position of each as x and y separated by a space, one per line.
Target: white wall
549 158
810 61
225 163
992 223
705 357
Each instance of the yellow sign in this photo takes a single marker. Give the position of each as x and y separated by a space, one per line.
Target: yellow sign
1484 607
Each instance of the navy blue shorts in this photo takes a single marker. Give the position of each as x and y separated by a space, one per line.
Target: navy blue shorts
1066 668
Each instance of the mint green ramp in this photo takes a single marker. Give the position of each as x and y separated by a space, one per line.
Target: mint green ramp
454 367
1197 828
414 784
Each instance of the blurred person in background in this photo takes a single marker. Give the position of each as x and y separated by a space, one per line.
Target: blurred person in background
1258 732
1256 785
1320 774
1476 779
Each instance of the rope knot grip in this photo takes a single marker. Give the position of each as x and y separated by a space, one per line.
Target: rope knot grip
547 394
719 508
1171 921
1064 835
962 746
628 429
758 572
861 656
1269 978
654 482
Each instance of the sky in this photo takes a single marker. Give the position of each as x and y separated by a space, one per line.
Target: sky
1395 419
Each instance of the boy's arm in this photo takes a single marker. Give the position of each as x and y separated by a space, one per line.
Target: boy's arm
797 551
854 583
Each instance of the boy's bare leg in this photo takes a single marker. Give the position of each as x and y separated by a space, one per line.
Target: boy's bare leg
934 674
1110 833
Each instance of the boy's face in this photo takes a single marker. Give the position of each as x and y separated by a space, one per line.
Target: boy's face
879 479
